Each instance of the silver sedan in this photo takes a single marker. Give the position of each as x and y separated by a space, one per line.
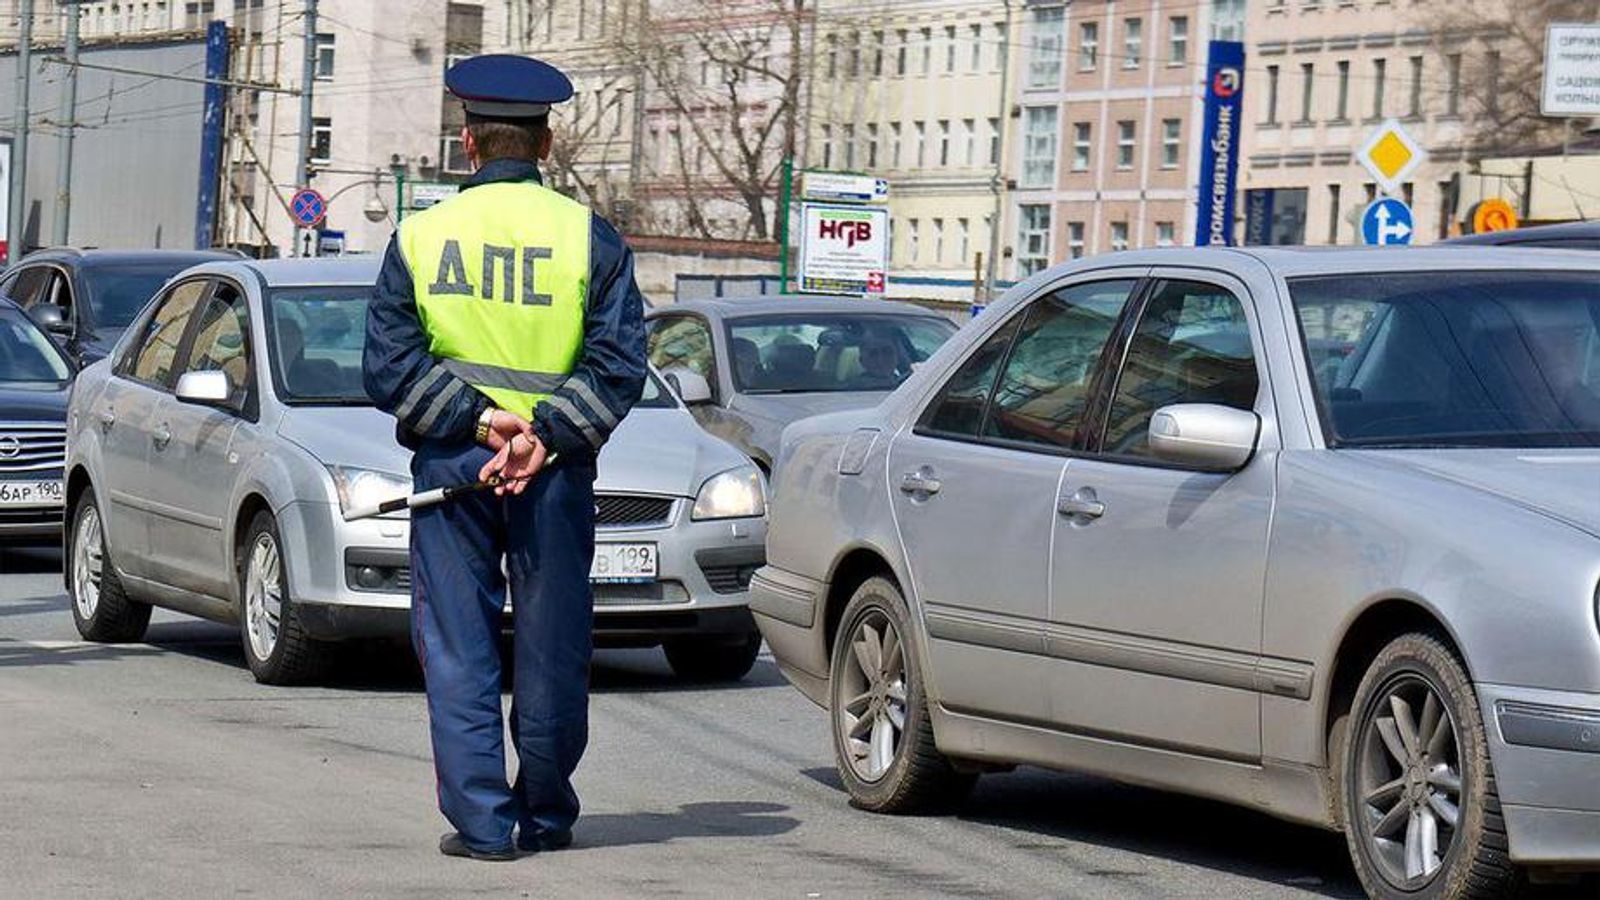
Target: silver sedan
211 456
1317 532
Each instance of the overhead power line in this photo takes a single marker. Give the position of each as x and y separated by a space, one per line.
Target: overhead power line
246 85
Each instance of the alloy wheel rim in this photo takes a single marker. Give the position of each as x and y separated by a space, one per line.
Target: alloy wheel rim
88 563
263 596
1409 782
872 718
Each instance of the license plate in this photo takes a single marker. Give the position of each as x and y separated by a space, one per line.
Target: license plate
18 494
621 563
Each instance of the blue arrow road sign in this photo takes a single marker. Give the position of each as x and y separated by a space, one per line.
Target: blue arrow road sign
307 207
1386 222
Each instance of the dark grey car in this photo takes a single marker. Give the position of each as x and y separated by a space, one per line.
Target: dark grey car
748 367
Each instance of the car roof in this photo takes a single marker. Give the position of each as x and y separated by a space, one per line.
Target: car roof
97 257
1293 262
1564 231
299 272
788 304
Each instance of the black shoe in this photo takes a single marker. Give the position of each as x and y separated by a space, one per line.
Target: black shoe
453 844
544 841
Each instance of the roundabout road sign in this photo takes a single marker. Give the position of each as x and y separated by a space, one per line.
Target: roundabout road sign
308 208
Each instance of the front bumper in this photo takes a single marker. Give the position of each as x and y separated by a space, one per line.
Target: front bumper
34 524
352 579
1546 751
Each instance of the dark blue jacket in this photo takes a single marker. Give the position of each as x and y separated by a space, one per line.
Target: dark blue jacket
400 376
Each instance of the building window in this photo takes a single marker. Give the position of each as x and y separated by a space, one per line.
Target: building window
1308 85
964 241
1415 106
1178 31
324 65
1380 70
1333 213
976 32
1039 146
1044 57
1088 46
1132 43
321 140
1452 96
1491 97
1125 139
1342 108
852 57
1075 232
1272 96
999 41
913 240
949 49
827 146
922 142
1171 132
872 146
927 51
847 140
899 51
994 142
944 142
1119 236
969 130
877 53
454 156
938 241
894 145
1166 234
833 54
1033 239
1080 146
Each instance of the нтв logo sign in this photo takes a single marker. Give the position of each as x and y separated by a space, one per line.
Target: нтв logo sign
1226 84
850 232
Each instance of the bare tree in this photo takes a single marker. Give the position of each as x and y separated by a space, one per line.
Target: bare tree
725 77
588 142
1498 46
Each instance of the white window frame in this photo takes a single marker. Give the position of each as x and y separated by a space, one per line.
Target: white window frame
1075 240
1127 144
446 143
1132 42
1171 142
1033 238
1088 46
1041 127
1082 146
1048 26
1119 236
1178 41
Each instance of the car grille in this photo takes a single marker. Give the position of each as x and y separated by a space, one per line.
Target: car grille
729 579
631 511
32 516
28 447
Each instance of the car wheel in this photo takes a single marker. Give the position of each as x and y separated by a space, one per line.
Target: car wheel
1422 816
713 658
101 608
276 646
882 735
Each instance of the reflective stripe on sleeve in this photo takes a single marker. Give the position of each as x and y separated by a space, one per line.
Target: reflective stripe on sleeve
578 419
437 407
588 396
418 391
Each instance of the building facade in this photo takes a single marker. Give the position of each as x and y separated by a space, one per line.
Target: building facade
1322 75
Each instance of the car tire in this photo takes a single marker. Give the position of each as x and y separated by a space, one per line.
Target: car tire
713 658
101 607
276 645
883 742
1421 811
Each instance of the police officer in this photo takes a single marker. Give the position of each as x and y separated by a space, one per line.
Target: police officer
506 337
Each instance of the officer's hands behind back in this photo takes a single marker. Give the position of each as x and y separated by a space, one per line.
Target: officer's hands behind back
515 463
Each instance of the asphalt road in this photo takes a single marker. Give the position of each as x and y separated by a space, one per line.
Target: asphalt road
163 770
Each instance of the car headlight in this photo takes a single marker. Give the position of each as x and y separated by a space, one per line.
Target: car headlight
736 493
366 487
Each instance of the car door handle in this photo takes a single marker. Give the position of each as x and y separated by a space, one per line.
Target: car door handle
108 418
1082 505
161 436
920 482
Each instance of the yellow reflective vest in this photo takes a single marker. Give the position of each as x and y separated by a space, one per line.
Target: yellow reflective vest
500 273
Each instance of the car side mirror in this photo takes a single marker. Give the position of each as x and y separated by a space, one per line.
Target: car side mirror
204 388
690 386
50 319
1204 436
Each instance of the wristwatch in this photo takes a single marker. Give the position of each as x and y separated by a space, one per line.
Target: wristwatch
481 434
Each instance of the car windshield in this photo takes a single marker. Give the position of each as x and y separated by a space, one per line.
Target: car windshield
801 352
1454 359
317 339
116 294
26 355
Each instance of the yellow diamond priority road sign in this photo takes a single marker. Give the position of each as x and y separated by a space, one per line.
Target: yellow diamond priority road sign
1391 155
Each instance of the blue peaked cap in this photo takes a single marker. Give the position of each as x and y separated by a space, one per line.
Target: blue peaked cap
505 86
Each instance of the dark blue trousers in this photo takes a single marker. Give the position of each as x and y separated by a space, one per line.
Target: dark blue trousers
546 537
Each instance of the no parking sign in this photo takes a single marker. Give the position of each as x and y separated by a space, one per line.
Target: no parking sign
308 208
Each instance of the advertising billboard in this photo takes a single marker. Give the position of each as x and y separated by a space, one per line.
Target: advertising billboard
1219 143
843 249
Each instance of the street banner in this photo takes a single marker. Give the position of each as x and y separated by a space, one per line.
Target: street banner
843 249
430 193
5 201
1219 143
843 187
215 104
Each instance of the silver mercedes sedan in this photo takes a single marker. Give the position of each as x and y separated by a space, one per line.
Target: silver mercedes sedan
1313 531
211 456
748 367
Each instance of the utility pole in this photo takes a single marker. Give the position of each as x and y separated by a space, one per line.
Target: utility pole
68 126
19 147
308 75
997 180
